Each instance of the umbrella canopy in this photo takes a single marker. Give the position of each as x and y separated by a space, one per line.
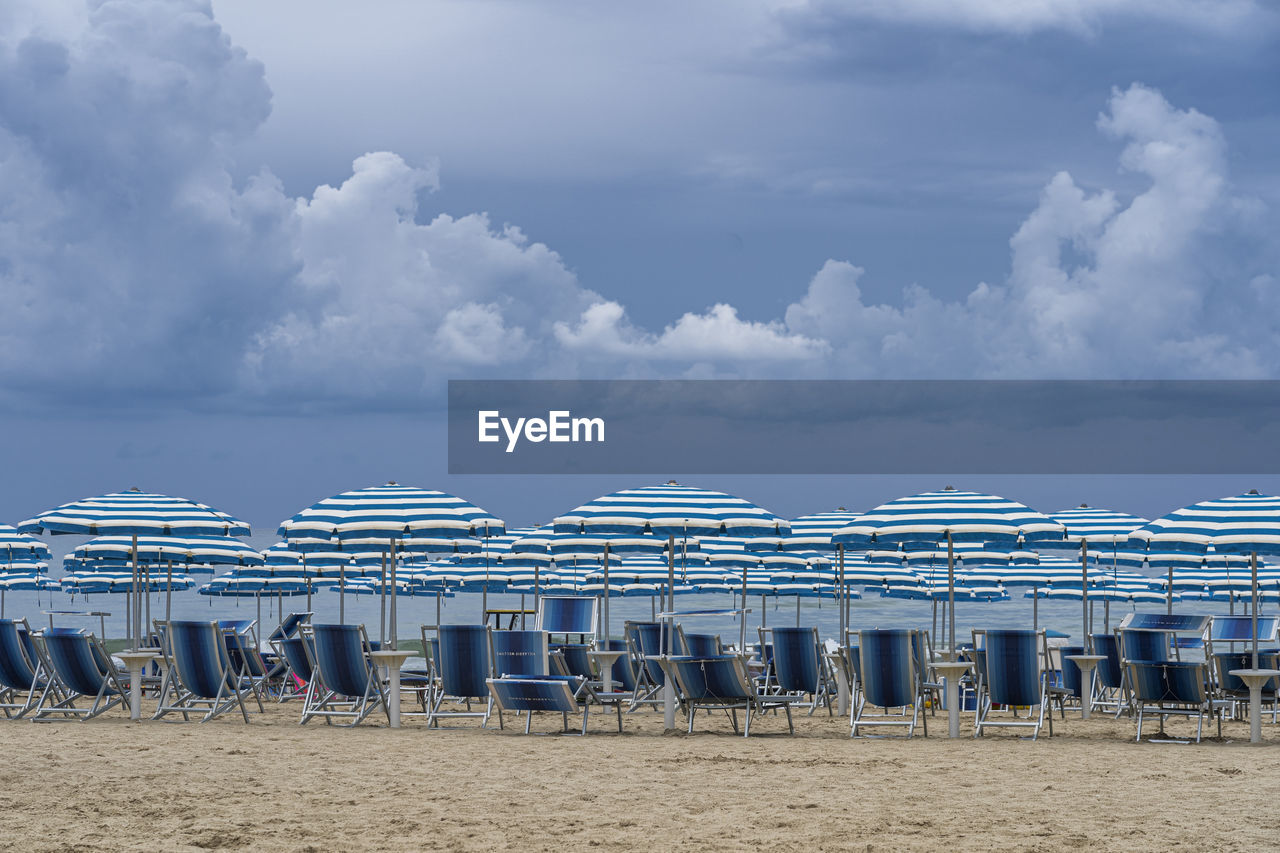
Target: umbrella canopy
18 547
418 520
117 581
27 581
1097 526
671 510
135 513
808 533
204 550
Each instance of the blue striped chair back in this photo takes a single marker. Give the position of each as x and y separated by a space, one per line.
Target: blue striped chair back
1168 681
341 659
1227 661
703 645
1070 669
240 626
855 660
71 654
289 626
1109 672
519 653
200 656
575 658
888 668
648 636
796 664
1013 667
464 660
623 672
1144 645
17 659
567 614
535 694
718 678
295 654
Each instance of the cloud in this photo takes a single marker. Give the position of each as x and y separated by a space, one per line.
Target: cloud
1002 16
139 259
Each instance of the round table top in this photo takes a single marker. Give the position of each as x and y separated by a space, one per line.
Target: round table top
392 654
952 664
1086 658
606 653
139 655
1255 673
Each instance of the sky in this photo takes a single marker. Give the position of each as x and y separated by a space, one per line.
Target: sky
243 246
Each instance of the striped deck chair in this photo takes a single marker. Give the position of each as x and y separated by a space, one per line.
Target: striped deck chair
889 680
1015 678
289 626
799 667
80 668
246 657
722 683
346 682
644 639
23 673
1172 688
699 645
297 682
465 664
1109 679
553 693
1232 689
1139 645
520 653
572 659
203 677
568 614
1068 686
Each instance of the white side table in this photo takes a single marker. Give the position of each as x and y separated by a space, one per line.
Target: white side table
136 661
392 659
1254 679
1087 664
952 670
604 660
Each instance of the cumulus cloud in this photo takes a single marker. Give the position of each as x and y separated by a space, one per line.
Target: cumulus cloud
135 259
1080 16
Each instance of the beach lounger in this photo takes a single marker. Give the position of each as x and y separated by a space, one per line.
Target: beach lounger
246 658
520 653
568 615
1109 680
296 683
80 668
1064 682
1172 688
464 667
889 679
799 667
644 640
557 694
289 626
1231 688
203 677
722 683
23 673
1014 678
347 684
699 645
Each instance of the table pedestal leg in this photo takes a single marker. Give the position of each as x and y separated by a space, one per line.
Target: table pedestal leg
953 707
393 696
842 693
135 692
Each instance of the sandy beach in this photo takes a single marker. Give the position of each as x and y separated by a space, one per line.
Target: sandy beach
274 785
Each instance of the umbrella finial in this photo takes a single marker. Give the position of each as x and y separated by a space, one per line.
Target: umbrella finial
392 483
135 489
842 509
1252 492
1083 506
948 488
672 483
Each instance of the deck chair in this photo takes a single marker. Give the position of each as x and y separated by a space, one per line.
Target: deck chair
574 660
289 626
79 668
644 640
246 658
1139 645
519 653
464 666
722 683
699 645
203 677
1068 686
346 683
624 671
799 667
887 667
1109 679
556 694
296 683
568 615
1232 689
23 674
1172 688
1014 677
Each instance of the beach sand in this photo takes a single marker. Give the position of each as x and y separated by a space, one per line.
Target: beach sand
109 784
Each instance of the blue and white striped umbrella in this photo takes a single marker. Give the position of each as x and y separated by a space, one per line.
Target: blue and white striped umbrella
135 513
1097 526
118 581
417 520
964 516
28 582
18 547
201 550
808 533
1242 524
671 510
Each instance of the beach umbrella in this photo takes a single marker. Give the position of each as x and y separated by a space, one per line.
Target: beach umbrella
949 516
672 511
20 548
389 519
135 513
1240 524
1092 526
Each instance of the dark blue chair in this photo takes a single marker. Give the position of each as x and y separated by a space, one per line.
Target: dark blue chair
700 645
645 640
1014 678
574 660
22 673
889 680
1066 683
798 665
80 667
568 614
346 681
297 683
464 667
722 683
1172 688
554 693
200 673
289 626
624 672
519 653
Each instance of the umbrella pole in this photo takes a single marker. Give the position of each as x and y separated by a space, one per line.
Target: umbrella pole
797 611
382 603
439 596
1035 608
742 629
1106 615
604 607
764 611
257 597
1253 571
1169 592
668 689
484 592
168 591
394 596
146 590
306 579
951 598
342 593
1084 593
844 597
135 634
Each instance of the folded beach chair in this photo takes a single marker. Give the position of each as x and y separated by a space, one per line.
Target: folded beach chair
722 683
464 667
554 693
79 668
202 675
246 657
1172 688
23 673
889 680
346 683
1014 678
799 667
289 626
1109 680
